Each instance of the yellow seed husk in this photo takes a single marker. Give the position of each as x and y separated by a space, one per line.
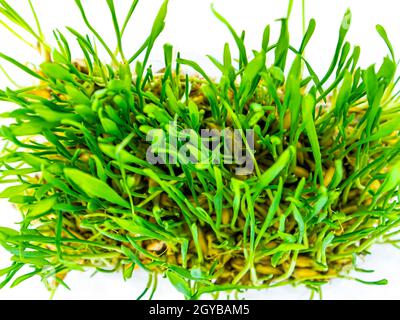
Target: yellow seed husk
368 202
304 262
237 263
226 216
331 272
202 241
287 121
300 155
343 261
171 259
300 172
152 183
354 194
305 273
375 185
267 270
155 246
44 93
329 176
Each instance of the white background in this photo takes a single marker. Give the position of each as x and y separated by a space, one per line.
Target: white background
195 32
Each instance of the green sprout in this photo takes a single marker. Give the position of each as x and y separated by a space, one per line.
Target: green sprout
325 185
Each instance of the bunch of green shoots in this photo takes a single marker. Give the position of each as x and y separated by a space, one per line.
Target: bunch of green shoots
324 189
